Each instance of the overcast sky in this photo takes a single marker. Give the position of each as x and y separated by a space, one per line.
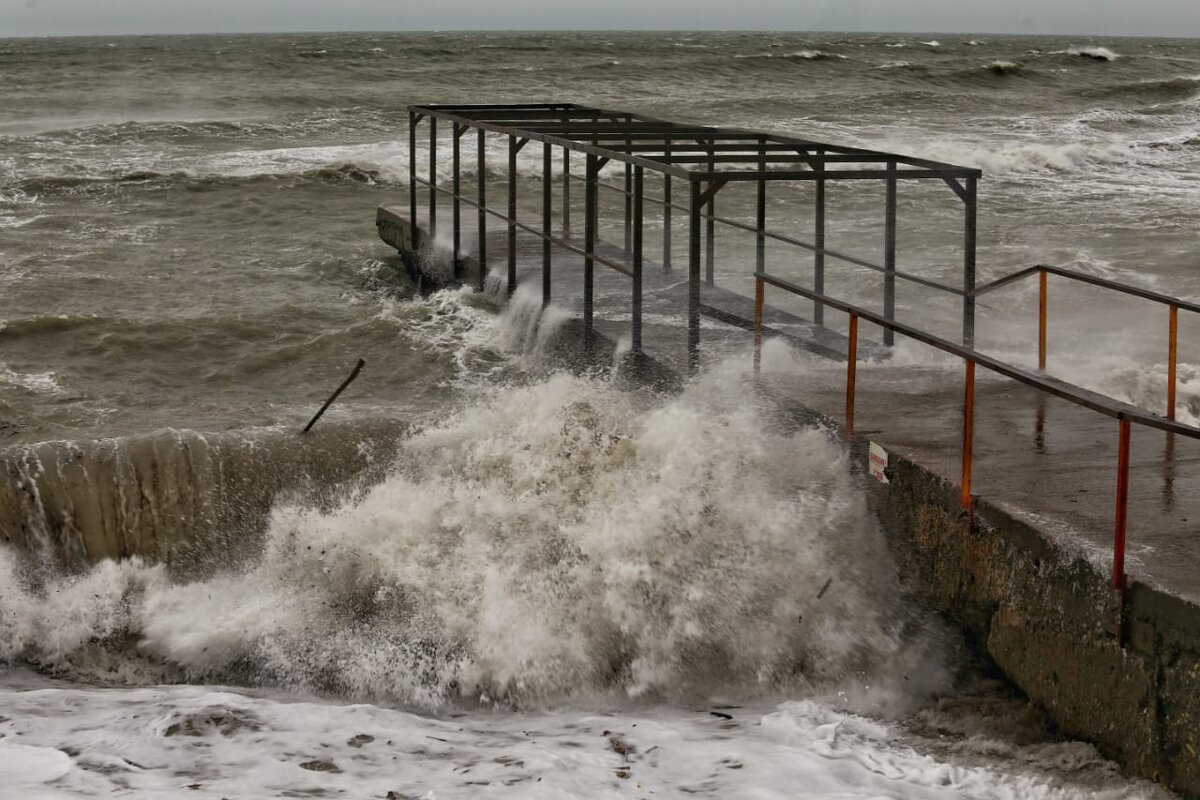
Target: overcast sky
1101 17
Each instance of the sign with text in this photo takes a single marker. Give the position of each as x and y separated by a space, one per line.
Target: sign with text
878 459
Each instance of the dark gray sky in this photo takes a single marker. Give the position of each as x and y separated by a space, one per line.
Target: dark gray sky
1101 17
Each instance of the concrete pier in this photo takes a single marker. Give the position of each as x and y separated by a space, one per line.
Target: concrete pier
1026 575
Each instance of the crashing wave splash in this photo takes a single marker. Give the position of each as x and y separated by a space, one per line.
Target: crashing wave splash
554 539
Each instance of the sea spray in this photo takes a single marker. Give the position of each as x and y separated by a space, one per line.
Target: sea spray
550 540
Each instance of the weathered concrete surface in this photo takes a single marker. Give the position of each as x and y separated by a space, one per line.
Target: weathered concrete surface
187 499
1050 621
1036 602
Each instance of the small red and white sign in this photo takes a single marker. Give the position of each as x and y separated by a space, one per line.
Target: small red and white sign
878 460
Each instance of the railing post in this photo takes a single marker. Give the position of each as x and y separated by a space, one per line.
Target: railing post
512 214
968 439
566 191
693 311
456 254
589 239
819 252
547 218
1043 299
638 208
1119 578
889 256
710 227
432 179
481 169
1172 356
969 236
760 213
412 169
759 297
851 372
667 211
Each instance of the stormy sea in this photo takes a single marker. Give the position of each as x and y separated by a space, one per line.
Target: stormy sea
481 575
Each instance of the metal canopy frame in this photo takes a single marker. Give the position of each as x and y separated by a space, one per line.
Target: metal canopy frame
708 158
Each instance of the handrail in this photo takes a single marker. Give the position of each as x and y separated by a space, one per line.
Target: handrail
1124 413
1174 304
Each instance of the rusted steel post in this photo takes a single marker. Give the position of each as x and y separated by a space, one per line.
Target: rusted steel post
970 232
693 311
819 252
512 214
637 210
968 440
481 169
412 168
1119 578
432 179
851 372
456 253
566 191
760 215
1172 356
589 238
547 218
889 255
759 293
667 211
1043 299
710 226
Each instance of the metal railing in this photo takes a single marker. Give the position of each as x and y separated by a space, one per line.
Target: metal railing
644 143
1125 414
1174 304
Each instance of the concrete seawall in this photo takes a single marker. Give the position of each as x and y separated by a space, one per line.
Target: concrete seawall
1049 619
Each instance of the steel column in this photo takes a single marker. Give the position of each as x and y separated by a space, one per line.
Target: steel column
481 169
710 230
638 209
968 440
628 202
693 319
819 252
759 298
547 218
412 170
969 236
1119 578
512 214
566 192
456 255
432 180
1043 302
667 212
889 257
851 372
589 239
1172 357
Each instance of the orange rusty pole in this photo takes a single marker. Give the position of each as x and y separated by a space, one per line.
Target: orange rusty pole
1171 361
759 291
1042 319
1118 574
851 371
968 434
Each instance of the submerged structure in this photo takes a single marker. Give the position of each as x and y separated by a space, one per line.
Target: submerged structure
1110 659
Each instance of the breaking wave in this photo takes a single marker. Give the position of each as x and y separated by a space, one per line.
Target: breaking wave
552 539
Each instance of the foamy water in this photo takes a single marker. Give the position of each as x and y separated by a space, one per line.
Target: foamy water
549 586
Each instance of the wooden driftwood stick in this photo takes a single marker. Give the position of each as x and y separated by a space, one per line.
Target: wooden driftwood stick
357 369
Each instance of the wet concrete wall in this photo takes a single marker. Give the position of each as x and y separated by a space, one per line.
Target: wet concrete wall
1051 622
190 500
